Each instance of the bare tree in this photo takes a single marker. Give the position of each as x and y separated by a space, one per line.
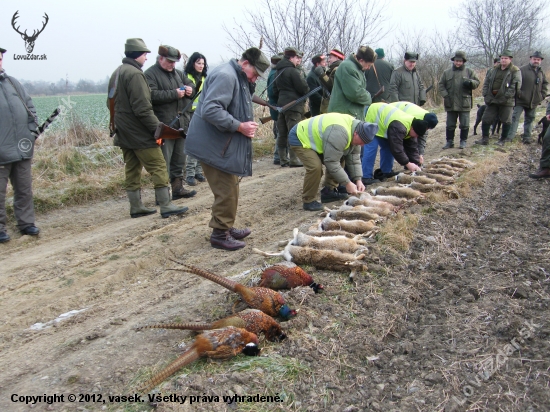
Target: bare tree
309 25
490 26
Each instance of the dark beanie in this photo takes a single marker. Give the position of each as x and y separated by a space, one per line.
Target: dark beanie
380 53
420 127
366 131
134 54
431 119
366 54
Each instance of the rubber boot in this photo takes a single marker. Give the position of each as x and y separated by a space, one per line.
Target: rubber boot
450 139
463 138
485 128
168 209
137 209
504 136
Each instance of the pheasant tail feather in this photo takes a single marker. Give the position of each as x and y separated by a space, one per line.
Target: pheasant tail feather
185 359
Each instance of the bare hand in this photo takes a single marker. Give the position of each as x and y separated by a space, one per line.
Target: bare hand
351 188
181 93
360 186
412 167
188 90
421 159
248 128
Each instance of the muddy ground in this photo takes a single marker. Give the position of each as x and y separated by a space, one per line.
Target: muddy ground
458 322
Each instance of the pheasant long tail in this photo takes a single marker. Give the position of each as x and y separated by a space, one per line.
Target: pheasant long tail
220 280
267 254
185 359
183 326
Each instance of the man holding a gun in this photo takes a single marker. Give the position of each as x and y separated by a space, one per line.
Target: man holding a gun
289 86
378 78
170 92
136 125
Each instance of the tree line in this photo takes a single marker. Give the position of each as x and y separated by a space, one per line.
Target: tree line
65 86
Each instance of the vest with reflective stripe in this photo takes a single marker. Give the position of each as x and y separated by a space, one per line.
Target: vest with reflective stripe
383 114
410 108
309 131
196 101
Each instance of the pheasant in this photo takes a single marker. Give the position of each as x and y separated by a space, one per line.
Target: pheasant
217 344
266 300
253 320
285 277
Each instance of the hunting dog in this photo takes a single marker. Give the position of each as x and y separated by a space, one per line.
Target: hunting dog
480 110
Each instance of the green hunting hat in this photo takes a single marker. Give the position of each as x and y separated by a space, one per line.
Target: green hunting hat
256 58
507 53
2 50
136 45
293 51
535 54
411 56
460 55
171 53
276 58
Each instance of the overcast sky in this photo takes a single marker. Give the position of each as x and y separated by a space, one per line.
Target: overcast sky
85 39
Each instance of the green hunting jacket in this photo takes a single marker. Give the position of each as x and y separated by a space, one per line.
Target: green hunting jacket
452 85
349 94
534 87
510 86
135 120
290 85
384 69
315 99
164 96
406 86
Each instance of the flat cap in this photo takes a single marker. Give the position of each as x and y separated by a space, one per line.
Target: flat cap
411 56
256 58
293 51
171 53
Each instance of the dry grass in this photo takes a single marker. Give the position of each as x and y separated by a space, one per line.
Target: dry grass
398 233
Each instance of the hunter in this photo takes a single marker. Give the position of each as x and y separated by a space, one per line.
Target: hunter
378 76
405 83
319 60
326 77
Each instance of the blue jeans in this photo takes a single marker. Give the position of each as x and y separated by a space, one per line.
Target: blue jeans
369 157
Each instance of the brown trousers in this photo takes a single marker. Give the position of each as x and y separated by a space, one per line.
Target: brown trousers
314 171
19 174
225 188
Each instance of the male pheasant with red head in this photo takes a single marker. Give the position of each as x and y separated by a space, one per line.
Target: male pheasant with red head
285 277
217 344
264 299
253 320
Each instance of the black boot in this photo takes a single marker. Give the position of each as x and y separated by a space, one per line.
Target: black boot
450 139
504 138
331 195
485 128
463 137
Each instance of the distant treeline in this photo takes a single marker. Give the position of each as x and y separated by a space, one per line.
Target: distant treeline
65 86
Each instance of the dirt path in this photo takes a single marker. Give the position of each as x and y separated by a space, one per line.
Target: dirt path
406 336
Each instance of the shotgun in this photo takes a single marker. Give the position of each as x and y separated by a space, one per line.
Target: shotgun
264 120
429 88
378 93
164 132
262 102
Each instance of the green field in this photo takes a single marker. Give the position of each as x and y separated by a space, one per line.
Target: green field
91 109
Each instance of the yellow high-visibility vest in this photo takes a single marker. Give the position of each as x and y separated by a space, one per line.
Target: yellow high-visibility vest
383 114
309 131
196 101
410 108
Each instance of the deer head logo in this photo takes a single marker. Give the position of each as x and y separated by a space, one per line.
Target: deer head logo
29 40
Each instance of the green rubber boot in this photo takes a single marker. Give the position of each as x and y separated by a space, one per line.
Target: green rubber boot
168 209
137 209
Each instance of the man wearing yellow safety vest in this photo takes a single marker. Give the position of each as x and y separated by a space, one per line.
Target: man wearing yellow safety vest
328 139
397 137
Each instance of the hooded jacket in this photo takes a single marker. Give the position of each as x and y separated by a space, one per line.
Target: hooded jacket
17 124
225 102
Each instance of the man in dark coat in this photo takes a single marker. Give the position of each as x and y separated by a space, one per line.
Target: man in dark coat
289 86
534 88
335 57
544 169
18 131
319 60
405 83
170 92
378 76
220 136
136 124
456 87
276 58
501 84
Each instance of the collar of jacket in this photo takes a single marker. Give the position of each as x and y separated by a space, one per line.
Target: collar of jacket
3 74
534 68
413 70
132 62
354 59
242 75
456 68
284 63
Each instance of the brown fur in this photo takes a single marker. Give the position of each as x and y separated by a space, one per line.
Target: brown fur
446 166
339 243
370 202
440 178
403 192
320 233
455 163
440 171
351 226
426 188
404 178
353 215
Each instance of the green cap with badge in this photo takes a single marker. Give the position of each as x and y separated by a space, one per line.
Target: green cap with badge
136 45
256 58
